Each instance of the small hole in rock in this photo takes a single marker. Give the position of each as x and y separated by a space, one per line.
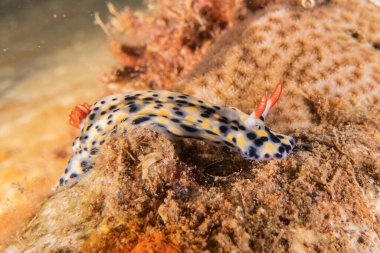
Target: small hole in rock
356 35
284 220
376 45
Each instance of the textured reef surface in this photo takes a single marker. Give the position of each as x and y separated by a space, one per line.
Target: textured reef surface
149 194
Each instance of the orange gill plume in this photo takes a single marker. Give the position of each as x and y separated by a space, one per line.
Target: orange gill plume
78 114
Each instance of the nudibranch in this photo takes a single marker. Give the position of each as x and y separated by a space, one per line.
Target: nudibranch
176 116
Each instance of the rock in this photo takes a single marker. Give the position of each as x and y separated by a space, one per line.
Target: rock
323 197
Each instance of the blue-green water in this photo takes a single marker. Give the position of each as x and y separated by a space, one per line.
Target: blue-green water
35 29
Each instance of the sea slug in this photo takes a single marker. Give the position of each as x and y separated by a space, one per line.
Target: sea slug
176 116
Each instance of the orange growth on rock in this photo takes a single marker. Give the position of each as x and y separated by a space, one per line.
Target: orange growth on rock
78 114
156 244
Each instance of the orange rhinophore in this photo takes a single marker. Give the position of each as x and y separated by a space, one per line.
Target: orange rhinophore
266 104
276 95
78 114
261 106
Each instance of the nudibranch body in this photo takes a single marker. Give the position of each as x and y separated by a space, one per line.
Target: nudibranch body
175 115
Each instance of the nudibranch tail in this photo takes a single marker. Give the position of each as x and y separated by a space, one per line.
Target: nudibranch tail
78 114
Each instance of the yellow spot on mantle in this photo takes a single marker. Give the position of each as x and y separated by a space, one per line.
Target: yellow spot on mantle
119 117
146 111
191 109
175 131
270 148
229 137
209 137
261 133
216 130
162 120
163 112
240 141
190 118
206 124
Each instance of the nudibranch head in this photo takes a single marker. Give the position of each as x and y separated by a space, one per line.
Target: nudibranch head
265 144
262 143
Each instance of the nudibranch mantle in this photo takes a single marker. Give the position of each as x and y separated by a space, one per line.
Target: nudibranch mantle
176 116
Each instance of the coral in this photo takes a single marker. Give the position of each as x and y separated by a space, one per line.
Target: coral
328 54
168 39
